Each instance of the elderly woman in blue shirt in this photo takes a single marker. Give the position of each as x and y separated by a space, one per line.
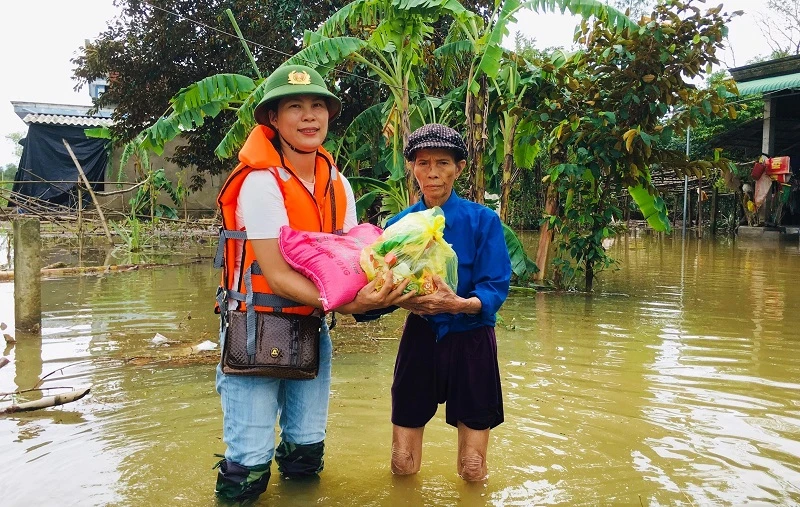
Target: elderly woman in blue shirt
448 351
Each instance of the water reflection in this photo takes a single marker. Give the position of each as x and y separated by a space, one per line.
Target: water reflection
676 383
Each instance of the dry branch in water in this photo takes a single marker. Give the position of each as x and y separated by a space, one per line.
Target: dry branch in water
48 401
8 275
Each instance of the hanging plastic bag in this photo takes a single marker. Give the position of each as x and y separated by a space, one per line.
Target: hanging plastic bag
413 248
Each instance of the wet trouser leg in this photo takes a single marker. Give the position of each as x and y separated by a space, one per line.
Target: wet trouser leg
250 408
304 416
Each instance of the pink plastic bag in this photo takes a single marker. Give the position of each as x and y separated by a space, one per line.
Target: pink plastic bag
330 261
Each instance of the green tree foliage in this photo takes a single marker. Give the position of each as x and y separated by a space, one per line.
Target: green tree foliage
616 103
148 55
703 133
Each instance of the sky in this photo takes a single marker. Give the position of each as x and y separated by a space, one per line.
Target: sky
39 37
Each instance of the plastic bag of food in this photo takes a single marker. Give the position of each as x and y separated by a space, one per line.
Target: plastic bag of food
413 248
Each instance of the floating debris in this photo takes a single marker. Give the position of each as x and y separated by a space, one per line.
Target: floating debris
206 345
159 339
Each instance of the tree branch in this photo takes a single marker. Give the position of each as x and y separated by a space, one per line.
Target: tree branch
47 401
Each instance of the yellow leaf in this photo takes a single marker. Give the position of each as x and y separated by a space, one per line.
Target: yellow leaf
732 112
648 78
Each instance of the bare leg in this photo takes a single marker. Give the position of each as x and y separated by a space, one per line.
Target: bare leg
406 449
472 448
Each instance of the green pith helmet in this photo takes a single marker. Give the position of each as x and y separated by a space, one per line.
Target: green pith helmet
294 80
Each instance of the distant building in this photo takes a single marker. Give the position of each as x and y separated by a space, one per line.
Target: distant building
46 170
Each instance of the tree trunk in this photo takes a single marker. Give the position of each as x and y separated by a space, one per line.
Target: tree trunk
545 233
589 275
405 131
477 109
508 167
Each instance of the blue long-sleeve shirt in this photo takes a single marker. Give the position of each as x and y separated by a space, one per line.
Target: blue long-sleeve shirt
484 268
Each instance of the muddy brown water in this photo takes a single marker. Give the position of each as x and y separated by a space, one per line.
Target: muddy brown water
676 383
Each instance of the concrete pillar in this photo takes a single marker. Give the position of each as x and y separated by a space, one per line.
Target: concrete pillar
768 131
27 274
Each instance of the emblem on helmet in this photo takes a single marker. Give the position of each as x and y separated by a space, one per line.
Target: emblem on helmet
299 78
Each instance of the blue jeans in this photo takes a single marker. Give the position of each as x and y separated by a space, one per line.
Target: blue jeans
252 405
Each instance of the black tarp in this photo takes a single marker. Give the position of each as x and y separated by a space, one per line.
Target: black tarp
46 164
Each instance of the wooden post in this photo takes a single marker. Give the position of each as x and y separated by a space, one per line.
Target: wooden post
27 274
675 212
80 211
714 195
91 192
699 209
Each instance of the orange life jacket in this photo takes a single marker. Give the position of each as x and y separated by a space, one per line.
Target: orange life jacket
322 211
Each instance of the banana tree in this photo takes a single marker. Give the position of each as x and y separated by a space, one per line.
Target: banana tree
483 42
396 33
515 149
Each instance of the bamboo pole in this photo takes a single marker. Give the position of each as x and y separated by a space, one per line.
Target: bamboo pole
91 192
48 401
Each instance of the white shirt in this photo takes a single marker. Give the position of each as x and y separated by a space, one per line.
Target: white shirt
261 211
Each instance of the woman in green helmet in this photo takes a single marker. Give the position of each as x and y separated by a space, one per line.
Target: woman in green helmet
285 177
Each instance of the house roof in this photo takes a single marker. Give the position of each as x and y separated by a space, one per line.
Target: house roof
61 119
770 84
760 70
61 114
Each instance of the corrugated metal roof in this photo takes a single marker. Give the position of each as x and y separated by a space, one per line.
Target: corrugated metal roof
770 84
60 119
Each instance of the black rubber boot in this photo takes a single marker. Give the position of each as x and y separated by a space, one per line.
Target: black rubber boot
237 483
299 460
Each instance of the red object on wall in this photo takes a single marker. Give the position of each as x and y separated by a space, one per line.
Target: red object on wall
758 170
778 165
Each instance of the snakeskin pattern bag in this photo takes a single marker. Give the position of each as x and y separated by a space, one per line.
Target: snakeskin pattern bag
287 346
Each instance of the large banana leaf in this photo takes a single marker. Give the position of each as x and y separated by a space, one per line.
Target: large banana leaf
653 208
521 264
489 63
323 54
358 13
190 106
392 193
586 9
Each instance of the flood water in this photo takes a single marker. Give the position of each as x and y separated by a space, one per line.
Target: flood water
676 383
